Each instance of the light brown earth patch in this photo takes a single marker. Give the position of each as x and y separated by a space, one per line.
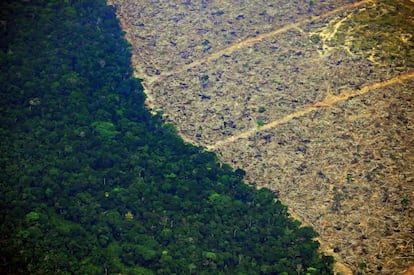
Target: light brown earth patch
314 101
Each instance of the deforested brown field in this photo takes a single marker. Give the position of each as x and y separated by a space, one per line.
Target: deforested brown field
313 99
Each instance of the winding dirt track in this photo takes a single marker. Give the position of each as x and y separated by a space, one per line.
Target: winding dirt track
314 108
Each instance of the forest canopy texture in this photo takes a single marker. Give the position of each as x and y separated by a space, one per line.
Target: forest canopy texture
92 183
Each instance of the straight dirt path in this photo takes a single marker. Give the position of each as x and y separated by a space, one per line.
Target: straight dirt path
329 101
252 40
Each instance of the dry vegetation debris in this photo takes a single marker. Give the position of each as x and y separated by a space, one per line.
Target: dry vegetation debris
314 100
348 171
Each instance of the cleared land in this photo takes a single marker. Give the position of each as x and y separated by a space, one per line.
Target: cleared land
314 100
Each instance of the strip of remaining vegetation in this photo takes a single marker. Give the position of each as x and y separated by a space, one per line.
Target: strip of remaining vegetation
91 183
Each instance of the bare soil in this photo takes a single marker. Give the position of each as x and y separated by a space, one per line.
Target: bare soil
313 99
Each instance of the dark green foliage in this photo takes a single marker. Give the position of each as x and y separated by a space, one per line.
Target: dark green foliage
91 183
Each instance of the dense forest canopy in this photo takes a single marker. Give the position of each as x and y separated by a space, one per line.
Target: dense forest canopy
92 183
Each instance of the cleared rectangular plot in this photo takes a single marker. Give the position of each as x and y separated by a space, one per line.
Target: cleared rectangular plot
166 34
255 85
231 94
